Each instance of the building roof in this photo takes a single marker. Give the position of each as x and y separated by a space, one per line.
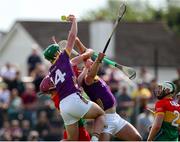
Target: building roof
139 43
43 31
136 43
2 34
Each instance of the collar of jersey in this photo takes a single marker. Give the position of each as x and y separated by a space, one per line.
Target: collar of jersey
57 57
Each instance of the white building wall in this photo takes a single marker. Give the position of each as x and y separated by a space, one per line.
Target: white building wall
164 73
17 49
99 34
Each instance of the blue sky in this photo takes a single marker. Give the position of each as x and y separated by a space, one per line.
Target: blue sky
12 10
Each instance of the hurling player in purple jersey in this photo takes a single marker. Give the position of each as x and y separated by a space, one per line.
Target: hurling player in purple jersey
99 92
73 105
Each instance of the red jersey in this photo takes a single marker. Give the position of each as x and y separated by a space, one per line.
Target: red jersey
169 108
171 111
55 99
76 70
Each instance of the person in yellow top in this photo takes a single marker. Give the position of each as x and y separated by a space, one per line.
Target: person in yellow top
141 92
141 97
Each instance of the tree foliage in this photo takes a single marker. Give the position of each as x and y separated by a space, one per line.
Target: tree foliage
173 18
139 11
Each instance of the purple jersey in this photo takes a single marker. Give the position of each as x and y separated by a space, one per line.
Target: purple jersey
100 93
61 74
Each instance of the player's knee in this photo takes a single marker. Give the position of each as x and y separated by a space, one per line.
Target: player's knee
101 118
100 111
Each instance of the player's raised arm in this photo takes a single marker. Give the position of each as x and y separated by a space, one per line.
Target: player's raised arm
83 57
89 79
82 76
72 34
80 46
83 51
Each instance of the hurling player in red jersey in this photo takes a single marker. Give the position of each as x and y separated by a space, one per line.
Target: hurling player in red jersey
167 114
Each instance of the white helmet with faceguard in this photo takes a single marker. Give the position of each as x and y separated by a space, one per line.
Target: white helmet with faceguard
164 89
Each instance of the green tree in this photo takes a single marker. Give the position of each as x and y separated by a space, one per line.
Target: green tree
173 15
105 13
137 10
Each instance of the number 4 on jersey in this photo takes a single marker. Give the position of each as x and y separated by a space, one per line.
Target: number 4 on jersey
59 76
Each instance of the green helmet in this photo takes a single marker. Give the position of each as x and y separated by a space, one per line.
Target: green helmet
50 51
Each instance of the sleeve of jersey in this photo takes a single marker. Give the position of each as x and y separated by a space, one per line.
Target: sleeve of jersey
159 107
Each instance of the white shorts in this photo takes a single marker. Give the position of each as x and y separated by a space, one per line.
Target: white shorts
113 123
74 107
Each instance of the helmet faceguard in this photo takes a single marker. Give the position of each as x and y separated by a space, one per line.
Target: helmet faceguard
164 89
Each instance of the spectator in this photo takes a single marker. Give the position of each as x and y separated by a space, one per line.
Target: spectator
33 60
29 99
177 81
4 94
145 76
5 133
26 129
125 103
17 83
16 131
55 132
144 121
42 125
4 102
140 97
8 72
33 136
153 84
39 74
15 105
6 136
113 81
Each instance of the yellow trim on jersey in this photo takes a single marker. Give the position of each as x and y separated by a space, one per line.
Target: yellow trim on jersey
100 103
159 113
170 116
96 77
59 55
56 58
68 52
